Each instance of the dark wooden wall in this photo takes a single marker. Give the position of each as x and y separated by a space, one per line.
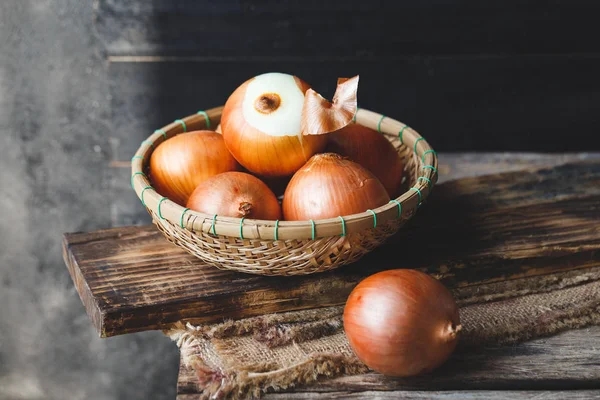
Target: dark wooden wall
474 75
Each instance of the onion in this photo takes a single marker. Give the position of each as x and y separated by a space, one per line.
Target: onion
272 128
184 161
401 322
371 150
328 186
235 194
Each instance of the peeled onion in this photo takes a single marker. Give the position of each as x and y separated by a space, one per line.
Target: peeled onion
184 161
401 322
371 150
235 194
329 186
261 125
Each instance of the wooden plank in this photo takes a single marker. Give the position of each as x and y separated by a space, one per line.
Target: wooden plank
474 230
345 28
561 362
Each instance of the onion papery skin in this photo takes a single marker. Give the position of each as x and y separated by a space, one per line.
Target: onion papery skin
401 322
184 161
235 194
373 151
329 186
271 145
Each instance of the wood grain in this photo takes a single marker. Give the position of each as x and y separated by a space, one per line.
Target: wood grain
565 361
474 230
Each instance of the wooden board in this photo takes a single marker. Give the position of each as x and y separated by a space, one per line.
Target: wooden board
474 230
567 361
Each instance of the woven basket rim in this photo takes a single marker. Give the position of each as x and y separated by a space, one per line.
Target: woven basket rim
246 228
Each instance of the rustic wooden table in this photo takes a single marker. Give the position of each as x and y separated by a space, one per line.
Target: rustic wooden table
130 280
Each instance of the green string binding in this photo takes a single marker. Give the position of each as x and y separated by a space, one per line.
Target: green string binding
399 207
182 124
206 119
181 220
142 195
418 192
136 158
374 218
159 212
425 179
148 142
242 228
417 141
276 230
213 224
343 226
431 167
354 118
134 174
162 132
312 223
402 133
427 152
379 123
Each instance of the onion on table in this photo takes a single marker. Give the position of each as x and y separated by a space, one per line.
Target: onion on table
401 322
184 161
328 186
235 194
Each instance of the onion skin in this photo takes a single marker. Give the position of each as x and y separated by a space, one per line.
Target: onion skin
235 194
401 322
371 150
329 186
261 153
184 161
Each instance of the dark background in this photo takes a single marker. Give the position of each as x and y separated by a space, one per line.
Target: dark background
83 82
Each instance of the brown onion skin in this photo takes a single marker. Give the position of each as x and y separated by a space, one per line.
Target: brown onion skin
235 194
329 186
401 322
184 161
262 154
373 151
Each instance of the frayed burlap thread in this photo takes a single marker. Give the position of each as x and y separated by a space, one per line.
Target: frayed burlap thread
245 358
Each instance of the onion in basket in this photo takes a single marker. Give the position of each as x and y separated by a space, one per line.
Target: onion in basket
184 161
401 322
373 151
235 194
329 186
273 123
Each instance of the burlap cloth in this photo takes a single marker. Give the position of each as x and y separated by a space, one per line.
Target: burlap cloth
237 359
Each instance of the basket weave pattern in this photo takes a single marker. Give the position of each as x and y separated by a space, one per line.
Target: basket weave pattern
302 247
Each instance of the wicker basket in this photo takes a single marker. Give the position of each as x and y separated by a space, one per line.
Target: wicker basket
287 247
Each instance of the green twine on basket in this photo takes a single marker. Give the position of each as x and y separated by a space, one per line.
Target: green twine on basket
148 142
182 214
399 207
242 228
417 141
159 212
142 195
137 173
425 179
276 234
213 224
427 152
418 192
136 158
431 167
354 118
343 226
402 133
161 132
379 123
374 218
205 118
312 223
182 124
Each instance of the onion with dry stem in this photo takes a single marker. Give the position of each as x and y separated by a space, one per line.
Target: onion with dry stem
235 194
401 322
373 151
329 186
184 161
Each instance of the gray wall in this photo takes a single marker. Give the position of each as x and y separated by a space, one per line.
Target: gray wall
55 154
